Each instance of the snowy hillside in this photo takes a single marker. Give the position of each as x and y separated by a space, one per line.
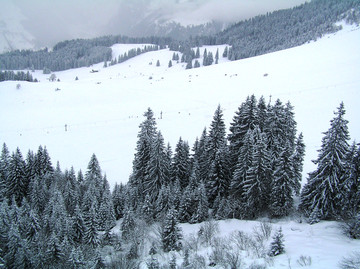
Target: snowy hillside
102 110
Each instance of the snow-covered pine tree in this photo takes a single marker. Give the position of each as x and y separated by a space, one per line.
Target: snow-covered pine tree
219 175
217 56
325 187
128 225
158 172
197 54
55 255
277 245
256 185
78 227
245 118
118 199
91 234
196 64
4 164
170 64
146 137
171 233
17 183
201 212
217 154
148 209
225 53
352 184
205 57
189 64
182 163
186 208
281 199
244 163
298 160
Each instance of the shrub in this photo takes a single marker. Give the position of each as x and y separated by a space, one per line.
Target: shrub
351 262
207 231
304 261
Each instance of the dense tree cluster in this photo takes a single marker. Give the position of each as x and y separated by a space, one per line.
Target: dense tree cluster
133 53
18 76
286 28
71 53
254 170
50 218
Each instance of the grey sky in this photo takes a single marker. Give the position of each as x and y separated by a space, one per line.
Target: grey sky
50 21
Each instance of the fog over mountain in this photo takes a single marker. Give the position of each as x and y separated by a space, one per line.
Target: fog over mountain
38 23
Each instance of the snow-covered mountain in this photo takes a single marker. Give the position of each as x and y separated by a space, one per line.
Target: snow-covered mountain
37 24
13 35
103 110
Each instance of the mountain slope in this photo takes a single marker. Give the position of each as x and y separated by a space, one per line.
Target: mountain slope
103 110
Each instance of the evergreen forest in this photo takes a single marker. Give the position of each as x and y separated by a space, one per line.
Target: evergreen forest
52 218
262 34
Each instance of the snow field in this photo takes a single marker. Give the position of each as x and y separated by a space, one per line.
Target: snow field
103 110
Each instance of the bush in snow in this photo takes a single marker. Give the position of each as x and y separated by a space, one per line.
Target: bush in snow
262 231
277 245
352 227
351 262
207 232
304 261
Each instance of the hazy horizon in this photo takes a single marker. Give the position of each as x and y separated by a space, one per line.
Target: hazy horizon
48 22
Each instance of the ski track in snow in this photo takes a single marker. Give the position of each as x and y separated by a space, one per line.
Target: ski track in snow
103 110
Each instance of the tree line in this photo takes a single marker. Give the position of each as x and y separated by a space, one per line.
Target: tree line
18 76
259 35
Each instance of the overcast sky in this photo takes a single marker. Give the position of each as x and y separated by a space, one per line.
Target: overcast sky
50 21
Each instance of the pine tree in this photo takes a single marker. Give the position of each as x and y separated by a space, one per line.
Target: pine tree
205 58
186 208
201 212
277 245
243 165
148 209
225 53
352 183
217 56
197 54
78 226
118 199
245 119
325 187
4 166
219 176
157 63
55 255
298 160
17 183
91 236
281 200
158 173
128 225
256 184
181 163
196 64
170 64
171 233
189 64
141 161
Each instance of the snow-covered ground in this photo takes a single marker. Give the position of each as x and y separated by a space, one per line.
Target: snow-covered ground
103 110
323 242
